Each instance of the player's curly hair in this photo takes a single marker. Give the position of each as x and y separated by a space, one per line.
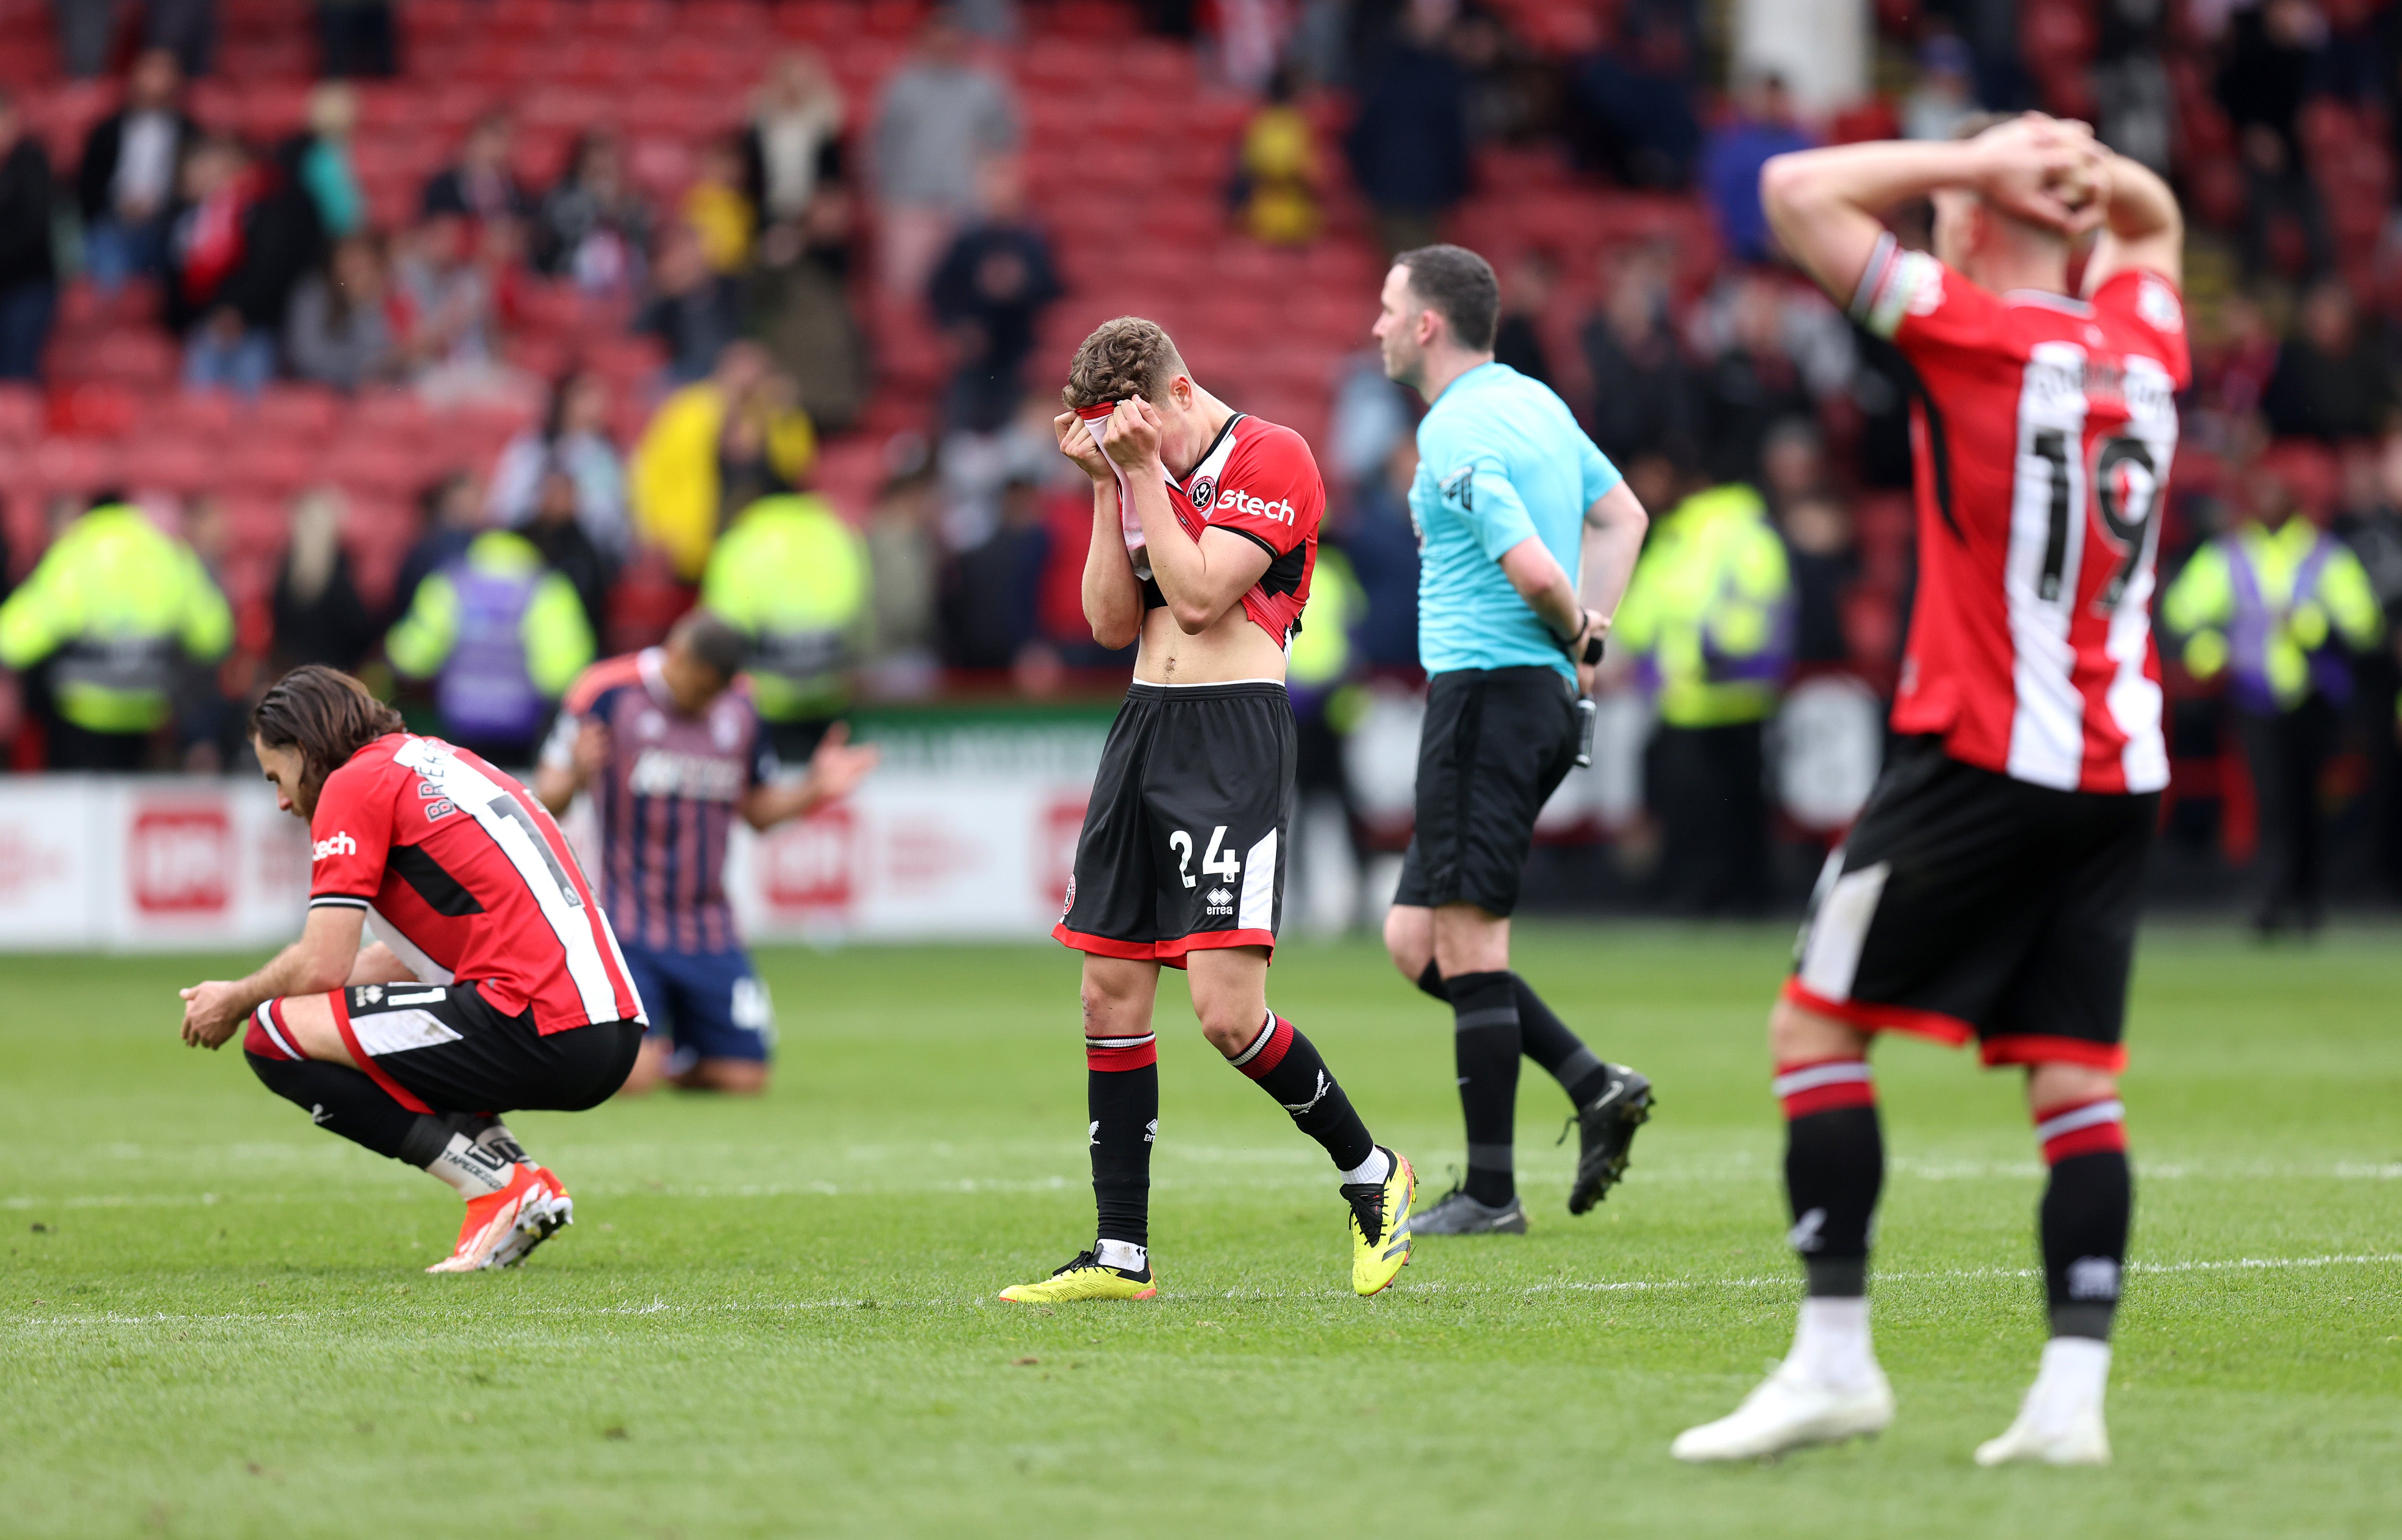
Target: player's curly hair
325 714
1126 357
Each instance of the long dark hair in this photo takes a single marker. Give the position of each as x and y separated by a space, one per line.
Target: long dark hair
325 714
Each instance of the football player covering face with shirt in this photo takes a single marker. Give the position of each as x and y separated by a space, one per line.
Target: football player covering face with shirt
1205 529
1991 886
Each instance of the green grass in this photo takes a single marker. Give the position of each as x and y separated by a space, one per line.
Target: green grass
776 1318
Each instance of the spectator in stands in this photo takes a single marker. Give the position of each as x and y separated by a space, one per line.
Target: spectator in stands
572 439
2269 54
319 615
1409 143
594 227
1644 399
449 516
216 295
990 600
319 160
939 116
800 308
1277 170
448 301
2135 109
1636 102
480 185
717 207
989 294
1377 534
85 27
355 38
682 494
1945 91
28 281
1518 340
566 549
904 562
125 186
1825 562
2331 383
186 28
1759 125
792 149
695 311
500 636
340 331
1759 337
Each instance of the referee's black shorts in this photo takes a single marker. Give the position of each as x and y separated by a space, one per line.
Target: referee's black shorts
1496 745
1966 904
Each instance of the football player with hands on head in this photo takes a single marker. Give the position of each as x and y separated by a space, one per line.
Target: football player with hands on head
1990 889
1205 530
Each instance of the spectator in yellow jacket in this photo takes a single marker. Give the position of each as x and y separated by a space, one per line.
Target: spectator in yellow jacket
742 418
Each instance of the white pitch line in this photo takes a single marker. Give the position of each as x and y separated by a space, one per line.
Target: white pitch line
1630 1285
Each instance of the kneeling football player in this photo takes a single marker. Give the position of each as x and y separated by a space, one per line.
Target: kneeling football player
496 985
1205 527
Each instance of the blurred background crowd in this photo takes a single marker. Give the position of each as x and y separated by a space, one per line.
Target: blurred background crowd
462 341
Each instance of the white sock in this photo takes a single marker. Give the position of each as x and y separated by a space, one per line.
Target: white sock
1831 1344
1374 1169
1124 1256
476 1171
2075 1372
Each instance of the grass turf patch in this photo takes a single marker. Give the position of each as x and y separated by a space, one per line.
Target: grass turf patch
776 1317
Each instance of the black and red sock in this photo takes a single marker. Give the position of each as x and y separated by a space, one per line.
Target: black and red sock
1834 1169
1287 1067
1121 1100
2088 1205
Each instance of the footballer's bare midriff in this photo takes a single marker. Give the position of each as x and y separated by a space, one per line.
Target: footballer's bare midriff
1233 649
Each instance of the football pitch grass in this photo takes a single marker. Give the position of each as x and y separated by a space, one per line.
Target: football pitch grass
777 1318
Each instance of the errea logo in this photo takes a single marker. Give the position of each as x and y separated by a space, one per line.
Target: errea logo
1244 503
337 844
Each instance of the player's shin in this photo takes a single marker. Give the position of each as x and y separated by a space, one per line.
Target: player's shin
2084 1218
1834 1169
1287 1065
1122 1099
1485 1043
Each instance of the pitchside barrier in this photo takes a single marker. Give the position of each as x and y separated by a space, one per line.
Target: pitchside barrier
966 831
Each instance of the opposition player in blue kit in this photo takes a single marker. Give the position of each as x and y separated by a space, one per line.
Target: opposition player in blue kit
673 751
1526 537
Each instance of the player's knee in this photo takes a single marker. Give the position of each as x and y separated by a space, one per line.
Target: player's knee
1409 939
2051 1085
1796 1034
729 1077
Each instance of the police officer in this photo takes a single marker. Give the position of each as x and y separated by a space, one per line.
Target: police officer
501 636
2264 604
793 576
115 606
1710 613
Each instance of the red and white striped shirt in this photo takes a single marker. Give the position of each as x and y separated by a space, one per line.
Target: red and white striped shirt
467 877
2042 437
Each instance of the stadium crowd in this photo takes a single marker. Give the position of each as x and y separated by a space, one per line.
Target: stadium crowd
418 353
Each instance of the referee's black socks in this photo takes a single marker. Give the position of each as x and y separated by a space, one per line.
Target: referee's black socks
1287 1067
1485 1046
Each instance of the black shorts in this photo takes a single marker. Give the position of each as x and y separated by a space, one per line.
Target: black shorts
1967 904
1496 745
443 1049
1184 838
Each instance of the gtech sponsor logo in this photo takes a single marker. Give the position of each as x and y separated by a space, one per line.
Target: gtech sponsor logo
335 844
1240 501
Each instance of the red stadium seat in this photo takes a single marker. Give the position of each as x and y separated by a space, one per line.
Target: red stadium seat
297 413
21 414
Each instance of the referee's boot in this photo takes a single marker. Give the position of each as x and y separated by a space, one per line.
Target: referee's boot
1606 1133
1458 1214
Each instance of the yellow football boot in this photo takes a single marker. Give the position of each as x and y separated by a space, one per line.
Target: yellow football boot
1380 1226
1085 1278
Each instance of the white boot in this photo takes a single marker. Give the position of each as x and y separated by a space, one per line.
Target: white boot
2060 1421
1828 1388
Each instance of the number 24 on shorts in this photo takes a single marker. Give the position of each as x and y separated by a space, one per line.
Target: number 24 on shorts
1213 864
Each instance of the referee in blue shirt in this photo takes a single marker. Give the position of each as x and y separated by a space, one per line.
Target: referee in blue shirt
1512 503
